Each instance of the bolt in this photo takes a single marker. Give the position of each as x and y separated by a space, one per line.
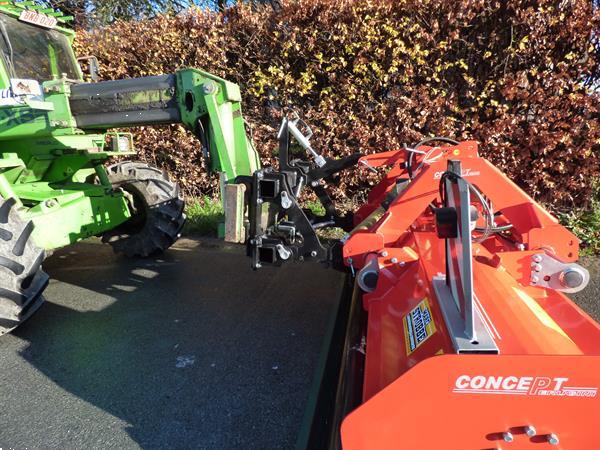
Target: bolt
349 260
259 175
314 183
209 88
534 279
521 247
530 430
258 265
259 201
50 203
313 253
384 253
394 260
402 263
507 436
537 258
552 439
537 267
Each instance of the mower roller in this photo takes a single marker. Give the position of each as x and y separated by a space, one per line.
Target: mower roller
454 330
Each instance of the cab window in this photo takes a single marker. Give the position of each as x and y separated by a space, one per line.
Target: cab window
37 53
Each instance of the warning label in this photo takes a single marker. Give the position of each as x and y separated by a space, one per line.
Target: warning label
418 326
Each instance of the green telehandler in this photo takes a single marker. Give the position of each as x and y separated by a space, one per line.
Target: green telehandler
57 185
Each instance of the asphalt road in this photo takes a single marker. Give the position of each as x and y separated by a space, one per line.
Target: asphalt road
191 350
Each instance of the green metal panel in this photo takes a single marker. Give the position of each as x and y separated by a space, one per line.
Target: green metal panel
63 217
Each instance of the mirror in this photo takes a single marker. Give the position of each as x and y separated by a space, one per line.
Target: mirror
92 66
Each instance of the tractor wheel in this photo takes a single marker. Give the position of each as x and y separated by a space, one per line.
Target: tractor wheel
156 206
22 279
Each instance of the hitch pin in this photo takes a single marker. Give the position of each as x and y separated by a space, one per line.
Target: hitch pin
351 267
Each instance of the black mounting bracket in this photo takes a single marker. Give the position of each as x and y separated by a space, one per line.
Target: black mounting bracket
280 230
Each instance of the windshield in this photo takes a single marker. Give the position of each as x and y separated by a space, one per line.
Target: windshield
37 53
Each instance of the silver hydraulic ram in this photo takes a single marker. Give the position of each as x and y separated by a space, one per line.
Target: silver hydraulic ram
294 126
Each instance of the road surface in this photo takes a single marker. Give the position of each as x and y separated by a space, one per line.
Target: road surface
190 350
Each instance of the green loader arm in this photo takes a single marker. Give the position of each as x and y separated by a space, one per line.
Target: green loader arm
217 102
207 105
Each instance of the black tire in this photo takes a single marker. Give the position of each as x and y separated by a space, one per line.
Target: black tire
22 279
156 206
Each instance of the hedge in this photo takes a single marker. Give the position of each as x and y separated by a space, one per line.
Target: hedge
520 77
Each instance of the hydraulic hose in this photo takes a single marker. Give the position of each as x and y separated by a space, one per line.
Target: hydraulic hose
411 156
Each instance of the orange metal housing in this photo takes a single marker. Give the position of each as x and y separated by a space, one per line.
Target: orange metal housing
425 396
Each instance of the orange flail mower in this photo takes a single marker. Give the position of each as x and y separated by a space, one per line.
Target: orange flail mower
461 335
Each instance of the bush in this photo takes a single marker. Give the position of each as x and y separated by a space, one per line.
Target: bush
371 75
585 223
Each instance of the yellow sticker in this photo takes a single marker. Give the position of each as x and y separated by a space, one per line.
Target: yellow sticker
418 326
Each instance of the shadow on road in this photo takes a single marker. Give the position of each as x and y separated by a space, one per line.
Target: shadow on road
190 349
